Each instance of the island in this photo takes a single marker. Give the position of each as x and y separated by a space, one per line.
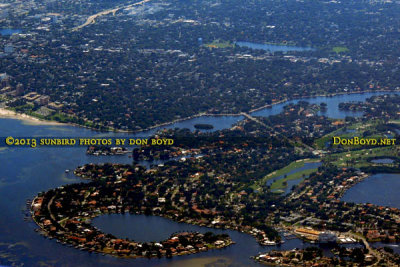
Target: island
226 187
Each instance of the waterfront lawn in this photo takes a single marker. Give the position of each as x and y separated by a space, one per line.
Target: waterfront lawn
294 165
60 117
279 184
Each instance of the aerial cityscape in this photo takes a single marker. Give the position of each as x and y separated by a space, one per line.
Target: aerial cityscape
199 133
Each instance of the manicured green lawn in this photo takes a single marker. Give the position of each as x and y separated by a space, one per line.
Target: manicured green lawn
340 49
320 142
359 158
279 184
359 128
280 172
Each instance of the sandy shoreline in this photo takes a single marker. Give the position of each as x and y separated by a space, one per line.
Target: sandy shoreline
5 113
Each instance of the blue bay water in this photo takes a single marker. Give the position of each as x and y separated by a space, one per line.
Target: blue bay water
26 171
379 189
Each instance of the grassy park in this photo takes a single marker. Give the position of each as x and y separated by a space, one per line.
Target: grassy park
340 49
280 183
219 44
361 158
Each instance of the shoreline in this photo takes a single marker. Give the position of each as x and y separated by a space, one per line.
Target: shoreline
5 113
10 114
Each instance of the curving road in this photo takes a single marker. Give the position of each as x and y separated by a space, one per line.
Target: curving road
92 18
367 245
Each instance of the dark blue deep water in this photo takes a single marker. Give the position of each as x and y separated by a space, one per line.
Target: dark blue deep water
379 189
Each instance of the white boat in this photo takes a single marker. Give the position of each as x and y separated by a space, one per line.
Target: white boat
269 243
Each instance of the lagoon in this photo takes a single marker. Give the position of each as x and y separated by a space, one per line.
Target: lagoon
383 161
26 171
332 102
292 182
273 47
154 228
5 32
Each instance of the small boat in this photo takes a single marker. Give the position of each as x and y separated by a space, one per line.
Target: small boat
66 171
268 243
